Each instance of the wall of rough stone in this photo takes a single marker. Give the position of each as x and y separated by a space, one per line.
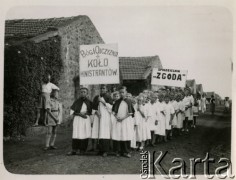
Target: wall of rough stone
80 32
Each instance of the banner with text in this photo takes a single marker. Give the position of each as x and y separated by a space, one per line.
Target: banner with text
169 77
99 64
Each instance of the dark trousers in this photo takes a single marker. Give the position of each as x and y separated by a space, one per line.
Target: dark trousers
116 146
185 123
121 146
194 120
168 132
79 144
104 145
212 109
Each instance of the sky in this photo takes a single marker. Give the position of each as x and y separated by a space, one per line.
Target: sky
197 39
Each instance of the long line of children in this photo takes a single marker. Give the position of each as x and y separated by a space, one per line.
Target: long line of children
129 122
124 122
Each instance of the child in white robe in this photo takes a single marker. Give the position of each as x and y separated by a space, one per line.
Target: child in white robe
146 104
143 132
179 113
161 122
132 124
116 127
115 133
102 105
123 111
81 110
169 114
133 140
153 117
157 131
175 106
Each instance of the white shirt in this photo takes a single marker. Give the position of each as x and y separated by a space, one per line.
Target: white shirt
169 109
146 109
226 103
174 104
153 111
123 110
188 100
47 88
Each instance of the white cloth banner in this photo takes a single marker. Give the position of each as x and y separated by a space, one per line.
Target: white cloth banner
99 64
169 77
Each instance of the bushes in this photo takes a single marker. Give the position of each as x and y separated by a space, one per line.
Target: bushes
25 66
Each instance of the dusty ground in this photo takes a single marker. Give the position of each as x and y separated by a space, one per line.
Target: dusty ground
212 135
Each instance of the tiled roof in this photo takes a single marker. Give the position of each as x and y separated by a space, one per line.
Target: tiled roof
199 88
190 83
133 68
208 94
217 96
27 28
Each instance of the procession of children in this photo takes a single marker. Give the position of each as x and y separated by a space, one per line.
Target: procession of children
120 122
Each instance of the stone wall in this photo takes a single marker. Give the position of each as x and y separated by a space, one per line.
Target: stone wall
80 32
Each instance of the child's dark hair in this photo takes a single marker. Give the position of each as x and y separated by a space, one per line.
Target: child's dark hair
123 87
45 77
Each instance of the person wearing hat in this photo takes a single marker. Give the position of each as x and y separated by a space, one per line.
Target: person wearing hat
81 132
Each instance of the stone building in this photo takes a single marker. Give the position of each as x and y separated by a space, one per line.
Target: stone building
36 41
71 32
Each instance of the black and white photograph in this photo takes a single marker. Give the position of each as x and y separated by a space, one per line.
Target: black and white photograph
118 90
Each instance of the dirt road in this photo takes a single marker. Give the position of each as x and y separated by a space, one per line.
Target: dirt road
212 135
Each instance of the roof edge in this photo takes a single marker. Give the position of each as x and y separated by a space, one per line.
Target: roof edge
44 36
139 57
54 32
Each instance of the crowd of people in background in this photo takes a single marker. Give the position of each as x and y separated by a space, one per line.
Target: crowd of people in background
121 122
